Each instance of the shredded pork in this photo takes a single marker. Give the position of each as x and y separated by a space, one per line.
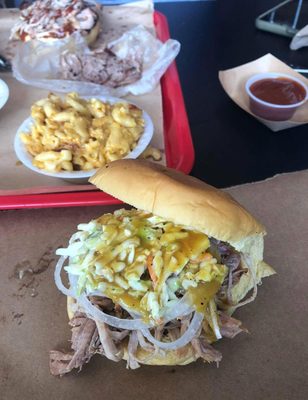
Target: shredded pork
227 255
109 348
90 337
132 362
205 351
84 346
101 66
144 343
230 327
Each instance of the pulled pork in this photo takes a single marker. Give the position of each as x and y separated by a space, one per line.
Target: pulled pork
84 346
230 327
92 337
227 255
132 361
109 348
101 66
205 351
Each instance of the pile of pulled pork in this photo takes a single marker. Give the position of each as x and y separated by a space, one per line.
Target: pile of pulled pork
91 337
101 66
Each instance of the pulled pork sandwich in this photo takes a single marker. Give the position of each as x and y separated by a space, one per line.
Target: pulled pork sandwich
157 284
49 20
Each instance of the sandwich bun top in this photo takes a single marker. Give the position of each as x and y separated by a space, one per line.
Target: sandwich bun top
179 198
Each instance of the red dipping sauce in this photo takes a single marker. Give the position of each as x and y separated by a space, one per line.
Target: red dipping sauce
282 91
275 96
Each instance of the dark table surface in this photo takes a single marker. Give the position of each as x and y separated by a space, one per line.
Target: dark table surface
231 147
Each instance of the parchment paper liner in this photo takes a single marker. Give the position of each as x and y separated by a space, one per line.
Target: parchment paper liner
233 81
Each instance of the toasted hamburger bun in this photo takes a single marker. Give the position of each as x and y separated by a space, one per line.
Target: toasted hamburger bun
179 198
187 201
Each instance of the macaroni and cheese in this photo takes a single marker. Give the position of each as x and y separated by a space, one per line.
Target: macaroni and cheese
75 134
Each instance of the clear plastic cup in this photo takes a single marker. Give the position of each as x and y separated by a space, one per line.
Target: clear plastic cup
271 111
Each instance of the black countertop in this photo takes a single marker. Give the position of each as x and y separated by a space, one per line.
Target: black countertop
231 147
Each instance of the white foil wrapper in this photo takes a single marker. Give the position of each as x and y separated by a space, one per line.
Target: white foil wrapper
39 63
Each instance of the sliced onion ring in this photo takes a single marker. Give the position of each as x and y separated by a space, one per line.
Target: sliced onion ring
189 334
58 280
95 313
180 309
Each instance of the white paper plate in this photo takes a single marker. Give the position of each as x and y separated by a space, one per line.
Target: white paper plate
4 93
26 158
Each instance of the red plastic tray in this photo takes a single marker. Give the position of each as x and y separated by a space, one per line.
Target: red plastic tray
178 144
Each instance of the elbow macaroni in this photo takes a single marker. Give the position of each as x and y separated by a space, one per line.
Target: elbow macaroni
78 134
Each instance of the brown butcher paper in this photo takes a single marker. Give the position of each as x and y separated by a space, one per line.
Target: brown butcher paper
271 362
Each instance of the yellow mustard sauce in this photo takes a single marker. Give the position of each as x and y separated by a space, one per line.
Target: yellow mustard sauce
178 247
127 300
202 294
194 244
190 247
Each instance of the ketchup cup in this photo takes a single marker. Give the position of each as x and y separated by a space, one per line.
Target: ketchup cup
271 110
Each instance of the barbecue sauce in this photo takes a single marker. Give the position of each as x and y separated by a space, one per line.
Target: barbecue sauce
281 91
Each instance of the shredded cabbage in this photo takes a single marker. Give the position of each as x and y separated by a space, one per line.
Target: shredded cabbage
139 261
214 321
